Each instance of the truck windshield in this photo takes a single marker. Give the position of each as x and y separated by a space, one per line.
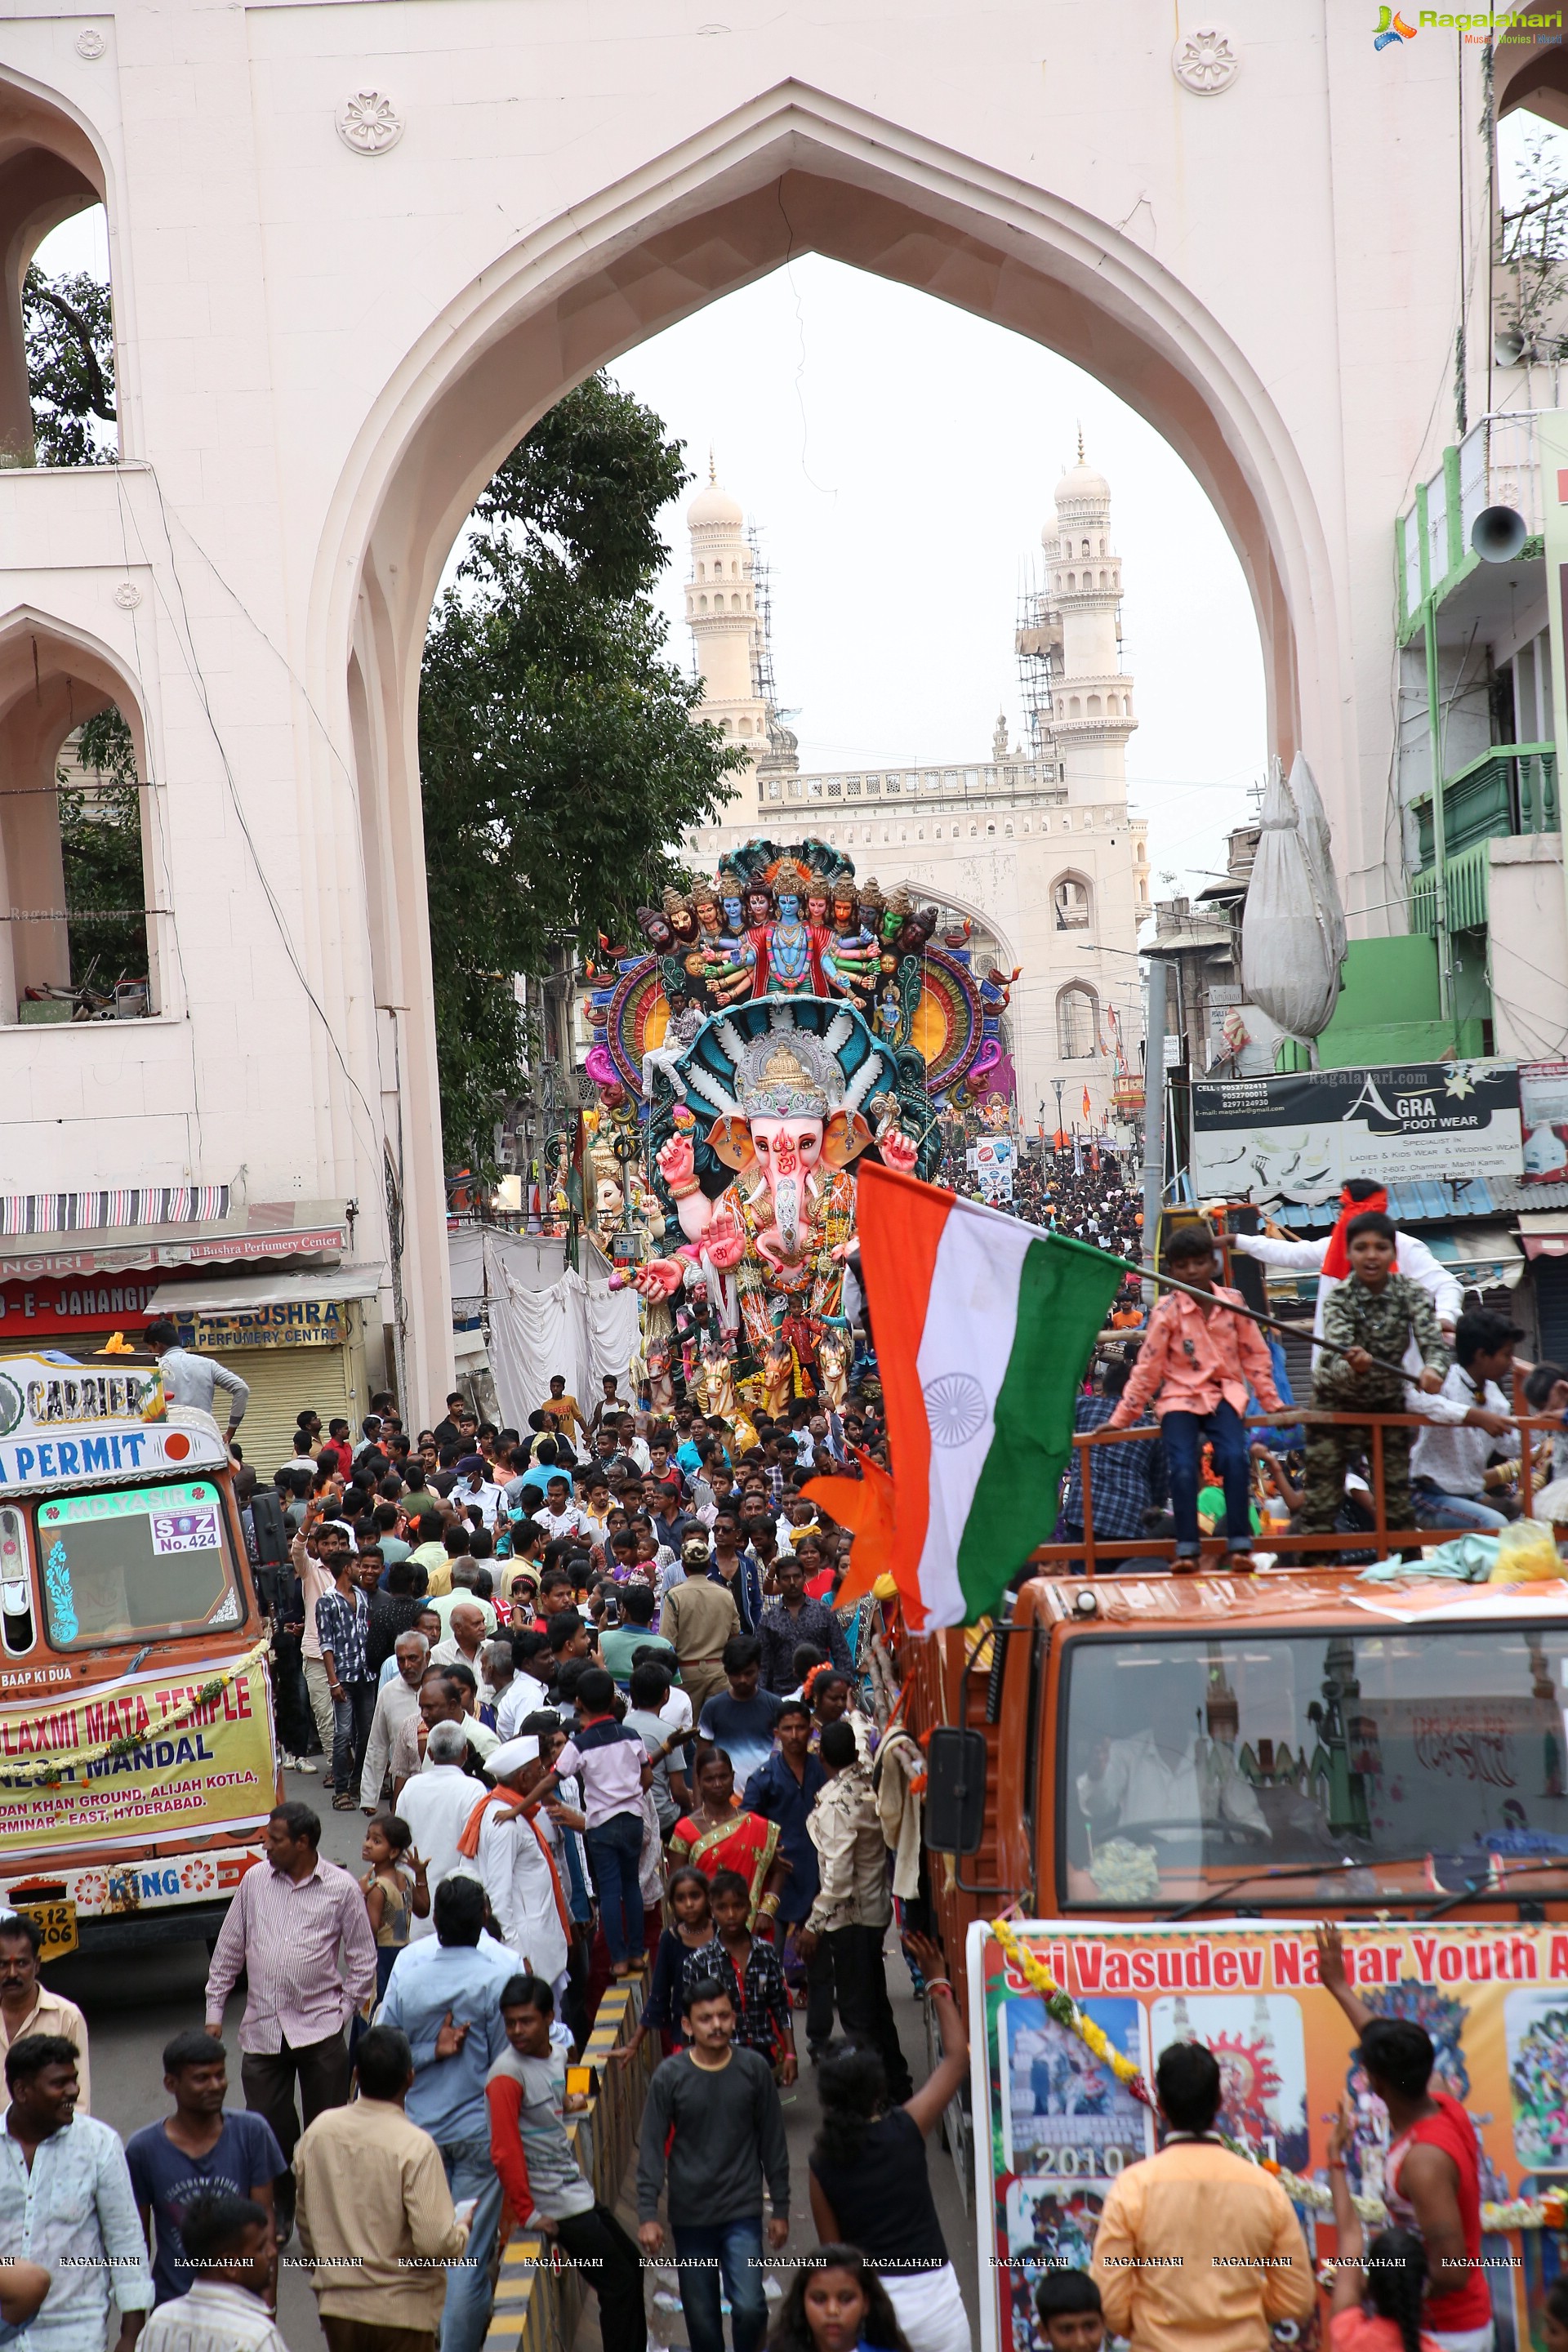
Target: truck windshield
1423 1758
138 1560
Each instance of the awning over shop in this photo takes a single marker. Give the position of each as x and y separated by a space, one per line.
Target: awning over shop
1478 1260
237 1294
1408 1204
1543 1231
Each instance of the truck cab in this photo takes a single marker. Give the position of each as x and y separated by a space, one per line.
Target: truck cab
137 1756
1296 1742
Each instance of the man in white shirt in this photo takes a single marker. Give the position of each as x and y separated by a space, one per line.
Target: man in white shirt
1448 1464
511 1858
560 1516
1412 1258
474 1490
1166 1775
436 1803
396 1701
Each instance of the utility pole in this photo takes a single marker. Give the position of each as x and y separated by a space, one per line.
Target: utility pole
1153 1117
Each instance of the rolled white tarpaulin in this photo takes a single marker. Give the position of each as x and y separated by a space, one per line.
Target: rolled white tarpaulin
1293 930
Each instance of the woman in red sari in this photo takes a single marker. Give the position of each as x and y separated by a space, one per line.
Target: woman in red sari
718 1834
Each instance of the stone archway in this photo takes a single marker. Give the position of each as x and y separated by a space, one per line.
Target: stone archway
793 172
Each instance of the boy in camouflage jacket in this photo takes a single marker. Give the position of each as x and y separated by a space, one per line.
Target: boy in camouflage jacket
1375 1313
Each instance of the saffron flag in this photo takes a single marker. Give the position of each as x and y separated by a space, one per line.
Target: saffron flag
983 1328
1087 1109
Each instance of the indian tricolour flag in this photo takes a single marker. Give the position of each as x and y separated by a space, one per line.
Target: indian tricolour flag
983 1328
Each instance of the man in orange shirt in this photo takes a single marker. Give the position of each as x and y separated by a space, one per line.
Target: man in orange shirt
1196 1365
1196 2246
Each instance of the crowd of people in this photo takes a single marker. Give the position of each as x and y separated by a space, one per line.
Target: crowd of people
587 1688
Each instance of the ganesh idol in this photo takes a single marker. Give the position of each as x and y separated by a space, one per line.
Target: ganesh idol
771 1245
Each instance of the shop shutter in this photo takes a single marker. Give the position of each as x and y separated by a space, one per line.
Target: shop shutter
1550 1275
284 1384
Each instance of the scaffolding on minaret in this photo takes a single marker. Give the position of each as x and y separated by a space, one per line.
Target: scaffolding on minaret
1039 643
781 754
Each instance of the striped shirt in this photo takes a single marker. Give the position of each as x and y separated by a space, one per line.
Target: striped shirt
342 1626
307 1950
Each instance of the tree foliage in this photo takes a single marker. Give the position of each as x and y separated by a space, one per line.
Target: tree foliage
100 845
558 753
70 366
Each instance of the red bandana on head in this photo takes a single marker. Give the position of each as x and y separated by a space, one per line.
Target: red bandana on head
1337 1264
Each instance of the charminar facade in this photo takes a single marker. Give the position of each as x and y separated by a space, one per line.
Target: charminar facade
1035 844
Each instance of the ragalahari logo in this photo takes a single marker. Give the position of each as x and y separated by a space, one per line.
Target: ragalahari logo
1392 29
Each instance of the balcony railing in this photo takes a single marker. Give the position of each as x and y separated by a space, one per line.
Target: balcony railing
1510 790
1497 464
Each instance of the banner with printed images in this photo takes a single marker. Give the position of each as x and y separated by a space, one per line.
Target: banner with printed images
1057 2129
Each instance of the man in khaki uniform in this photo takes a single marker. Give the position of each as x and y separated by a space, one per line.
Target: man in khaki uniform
698 1618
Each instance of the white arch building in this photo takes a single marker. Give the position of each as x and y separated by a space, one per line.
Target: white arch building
357 250
1035 844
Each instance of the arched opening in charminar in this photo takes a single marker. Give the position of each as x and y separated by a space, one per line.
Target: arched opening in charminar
793 172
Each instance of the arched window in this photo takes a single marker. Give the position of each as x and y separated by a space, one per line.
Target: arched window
56 360
702 603
73 802
1094 709
1069 584
1077 1023
1069 898
1086 547
1102 547
1103 581
1075 709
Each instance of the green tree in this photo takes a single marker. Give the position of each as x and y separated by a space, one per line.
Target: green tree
70 366
558 752
100 846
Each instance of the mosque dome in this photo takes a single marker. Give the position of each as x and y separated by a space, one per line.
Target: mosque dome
714 508
1081 486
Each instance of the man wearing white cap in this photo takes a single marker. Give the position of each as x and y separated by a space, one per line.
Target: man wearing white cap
436 1803
503 1843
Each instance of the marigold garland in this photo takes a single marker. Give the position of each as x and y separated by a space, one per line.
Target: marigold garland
1520 2213
1062 2007
49 1774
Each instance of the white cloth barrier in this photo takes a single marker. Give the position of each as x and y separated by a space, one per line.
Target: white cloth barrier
583 1329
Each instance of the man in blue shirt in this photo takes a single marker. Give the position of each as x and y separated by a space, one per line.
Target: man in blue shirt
783 1789
203 2150
740 1720
445 1994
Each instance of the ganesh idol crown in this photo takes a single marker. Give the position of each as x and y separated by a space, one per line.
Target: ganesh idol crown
784 1024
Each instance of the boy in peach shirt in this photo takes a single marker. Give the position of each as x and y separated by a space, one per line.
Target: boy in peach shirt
1196 1364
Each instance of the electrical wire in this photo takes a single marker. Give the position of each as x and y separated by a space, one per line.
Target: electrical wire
185 638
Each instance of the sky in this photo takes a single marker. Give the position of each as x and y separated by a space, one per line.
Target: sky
898 458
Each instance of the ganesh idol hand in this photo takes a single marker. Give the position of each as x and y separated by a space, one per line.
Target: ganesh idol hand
659 1278
724 1243
677 1162
898 1152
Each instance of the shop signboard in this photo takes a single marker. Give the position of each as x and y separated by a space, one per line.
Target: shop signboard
285 1323
57 1309
1299 1137
1543 1109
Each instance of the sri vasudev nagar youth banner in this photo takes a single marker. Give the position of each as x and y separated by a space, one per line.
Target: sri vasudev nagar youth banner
1053 2125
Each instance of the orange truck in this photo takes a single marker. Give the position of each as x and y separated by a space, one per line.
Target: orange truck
137 1755
1161 1784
